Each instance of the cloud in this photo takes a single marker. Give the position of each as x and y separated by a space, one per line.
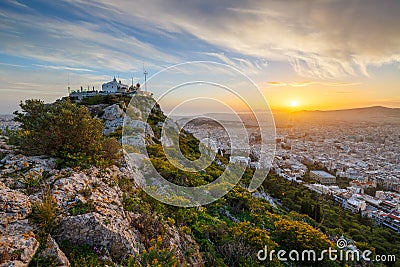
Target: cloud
63 68
247 66
276 83
76 45
342 92
309 83
325 39
12 65
341 84
18 4
222 57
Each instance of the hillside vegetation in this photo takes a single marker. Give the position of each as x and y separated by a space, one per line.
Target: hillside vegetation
144 231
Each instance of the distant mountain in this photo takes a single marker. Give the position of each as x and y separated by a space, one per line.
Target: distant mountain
373 113
374 110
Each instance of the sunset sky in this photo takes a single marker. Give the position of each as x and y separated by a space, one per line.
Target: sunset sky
303 54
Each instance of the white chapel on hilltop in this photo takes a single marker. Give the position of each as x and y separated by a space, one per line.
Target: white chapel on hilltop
115 87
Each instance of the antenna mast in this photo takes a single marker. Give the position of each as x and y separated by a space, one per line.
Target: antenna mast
145 78
69 88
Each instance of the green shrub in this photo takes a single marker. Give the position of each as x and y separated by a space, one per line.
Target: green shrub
64 130
45 213
158 255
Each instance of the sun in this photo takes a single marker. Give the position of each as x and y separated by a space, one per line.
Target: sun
294 103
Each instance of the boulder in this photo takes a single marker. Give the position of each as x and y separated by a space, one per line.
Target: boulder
113 117
12 163
186 249
112 112
90 186
17 241
13 264
13 204
112 233
52 250
18 250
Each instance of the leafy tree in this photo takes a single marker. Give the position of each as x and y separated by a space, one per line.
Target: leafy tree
64 130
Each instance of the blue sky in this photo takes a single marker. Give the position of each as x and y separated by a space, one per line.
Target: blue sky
324 54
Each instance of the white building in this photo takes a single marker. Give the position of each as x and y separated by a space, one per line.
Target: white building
323 177
114 86
240 160
355 204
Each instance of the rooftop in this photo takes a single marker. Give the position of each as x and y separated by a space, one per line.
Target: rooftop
323 174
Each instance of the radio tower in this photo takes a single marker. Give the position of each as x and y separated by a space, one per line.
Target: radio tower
69 88
145 78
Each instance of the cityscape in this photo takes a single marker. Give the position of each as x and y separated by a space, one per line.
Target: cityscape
364 151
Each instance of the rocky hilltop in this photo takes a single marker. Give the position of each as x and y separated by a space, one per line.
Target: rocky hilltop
46 210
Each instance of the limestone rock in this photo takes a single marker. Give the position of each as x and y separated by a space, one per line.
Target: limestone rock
20 249
113 117
17 241
112 112
113 234
13 264
53 250
90 186
13 204
18 227
12 163
186 249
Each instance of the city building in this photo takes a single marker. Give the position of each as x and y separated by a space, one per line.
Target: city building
390 220
323 177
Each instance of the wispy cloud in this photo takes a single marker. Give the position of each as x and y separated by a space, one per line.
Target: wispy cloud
63 68
276 83
12 65
80 45
325 39
18 4
309 83
247 66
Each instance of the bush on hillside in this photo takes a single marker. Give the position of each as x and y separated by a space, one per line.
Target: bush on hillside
64 130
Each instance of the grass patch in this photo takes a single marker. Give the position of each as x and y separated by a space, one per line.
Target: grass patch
82 208
45 213
84 255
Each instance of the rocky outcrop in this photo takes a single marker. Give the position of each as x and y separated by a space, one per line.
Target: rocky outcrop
113 234
186 249
12 163
94 186
52 250
18 243
113 117
16 167
106 224
90 208
14 205
13 264
18 250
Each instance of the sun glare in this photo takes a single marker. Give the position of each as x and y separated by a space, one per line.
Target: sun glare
294 103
